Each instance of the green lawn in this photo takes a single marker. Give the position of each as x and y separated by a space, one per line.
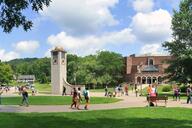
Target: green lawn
102 90
122 118
54 100
42 87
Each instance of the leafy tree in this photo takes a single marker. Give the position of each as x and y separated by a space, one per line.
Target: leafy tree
41 68
72 67
11 13
181 46
111 67
6 73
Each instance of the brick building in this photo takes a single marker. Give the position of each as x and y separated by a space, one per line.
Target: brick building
145 69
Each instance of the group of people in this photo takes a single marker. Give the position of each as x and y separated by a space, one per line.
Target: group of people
177 93
22 91
77 98
118 91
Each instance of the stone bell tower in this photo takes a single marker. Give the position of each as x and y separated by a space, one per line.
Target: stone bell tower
59 70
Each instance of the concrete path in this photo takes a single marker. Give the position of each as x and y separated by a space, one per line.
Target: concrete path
127 102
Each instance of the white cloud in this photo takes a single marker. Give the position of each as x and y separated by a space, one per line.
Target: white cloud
6 56
90 44
143 5
151 48
27 46
81 16
153 27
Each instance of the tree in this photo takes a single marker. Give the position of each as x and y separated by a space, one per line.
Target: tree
111 67
41 68
6 73
11 13
181 46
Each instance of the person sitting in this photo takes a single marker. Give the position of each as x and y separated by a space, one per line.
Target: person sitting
154 95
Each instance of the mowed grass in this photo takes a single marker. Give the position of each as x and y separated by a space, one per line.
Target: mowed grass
122 118
43 88
54 100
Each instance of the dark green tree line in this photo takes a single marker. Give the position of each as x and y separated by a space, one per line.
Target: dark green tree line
104 68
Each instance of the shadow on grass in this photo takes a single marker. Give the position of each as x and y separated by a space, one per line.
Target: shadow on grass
61 120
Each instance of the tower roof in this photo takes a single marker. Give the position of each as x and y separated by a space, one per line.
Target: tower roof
58 49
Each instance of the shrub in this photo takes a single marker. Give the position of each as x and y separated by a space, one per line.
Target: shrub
166 88
183 88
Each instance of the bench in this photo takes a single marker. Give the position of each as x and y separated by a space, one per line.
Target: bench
157 98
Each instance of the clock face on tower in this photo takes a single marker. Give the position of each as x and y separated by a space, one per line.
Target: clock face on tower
55 57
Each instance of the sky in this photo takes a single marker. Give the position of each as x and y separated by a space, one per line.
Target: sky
84 27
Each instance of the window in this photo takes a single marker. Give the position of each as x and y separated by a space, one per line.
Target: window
151 62
55 57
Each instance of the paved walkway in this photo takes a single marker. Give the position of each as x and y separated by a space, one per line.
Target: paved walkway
127 102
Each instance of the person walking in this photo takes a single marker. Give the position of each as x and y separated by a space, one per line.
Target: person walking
126 90
106 91
25 97
1 92
189 93
87 97
74 98
136 90
79 98
64 91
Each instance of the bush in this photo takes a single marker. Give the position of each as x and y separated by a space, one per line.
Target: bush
166 88
183 88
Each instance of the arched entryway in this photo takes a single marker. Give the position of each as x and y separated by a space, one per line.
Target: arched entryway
148 80
138 79
144 81
159 79
154 80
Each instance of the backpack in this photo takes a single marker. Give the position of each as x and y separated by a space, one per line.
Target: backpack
85 93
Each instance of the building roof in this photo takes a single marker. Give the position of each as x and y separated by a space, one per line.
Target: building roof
58 49
150 68
149 55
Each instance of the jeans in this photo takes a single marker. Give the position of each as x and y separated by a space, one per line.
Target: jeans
189 99
25 100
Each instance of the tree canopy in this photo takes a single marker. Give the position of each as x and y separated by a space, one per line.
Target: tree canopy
6 73
11 13
181 45
104 68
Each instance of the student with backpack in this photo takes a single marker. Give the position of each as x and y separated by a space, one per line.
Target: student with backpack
87 97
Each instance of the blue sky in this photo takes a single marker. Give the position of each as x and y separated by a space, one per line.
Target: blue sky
83 27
